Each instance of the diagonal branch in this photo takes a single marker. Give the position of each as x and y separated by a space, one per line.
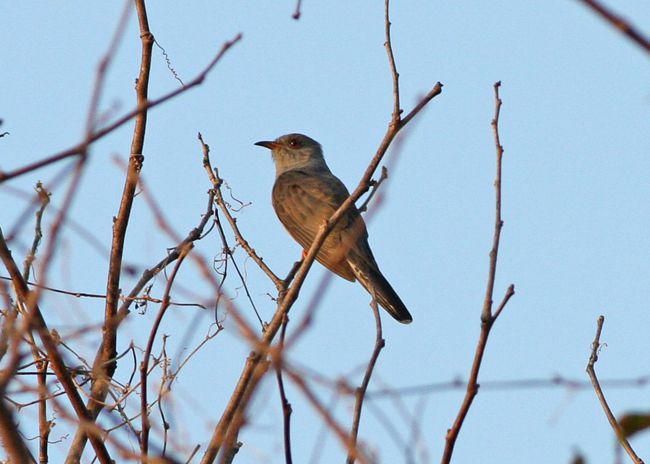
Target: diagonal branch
619 23
34 320
593 358
81 147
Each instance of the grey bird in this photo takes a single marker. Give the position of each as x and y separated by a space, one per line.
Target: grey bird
306 194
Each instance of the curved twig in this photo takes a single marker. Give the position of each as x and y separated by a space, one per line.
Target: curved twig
144 366
360 393
593 358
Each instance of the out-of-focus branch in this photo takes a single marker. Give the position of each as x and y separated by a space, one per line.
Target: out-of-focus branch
144 372
34 320
12 442
487 317
328 418
286 406
507 385
593 358
619 23
360 393
296 12
81 147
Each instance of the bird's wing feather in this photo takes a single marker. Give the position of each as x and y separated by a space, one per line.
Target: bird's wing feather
303 200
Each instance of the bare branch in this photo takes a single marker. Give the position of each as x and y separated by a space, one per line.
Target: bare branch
619 23
361 391
144 367
296 12
397 111
487 318
12 442
34 319
217 182
81 147
286 406
593 358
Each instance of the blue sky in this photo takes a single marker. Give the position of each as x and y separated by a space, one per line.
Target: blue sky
574 125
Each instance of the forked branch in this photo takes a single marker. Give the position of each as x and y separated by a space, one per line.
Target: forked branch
487 316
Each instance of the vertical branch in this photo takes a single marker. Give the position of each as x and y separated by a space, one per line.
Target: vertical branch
286 406
105 364
487 318
593 358
10 437
41 362
486 315
361 391
395 119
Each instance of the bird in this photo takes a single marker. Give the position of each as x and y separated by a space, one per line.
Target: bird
305 195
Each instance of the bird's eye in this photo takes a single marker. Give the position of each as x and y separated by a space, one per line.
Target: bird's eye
294 143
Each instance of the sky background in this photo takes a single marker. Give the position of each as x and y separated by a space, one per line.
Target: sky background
575 126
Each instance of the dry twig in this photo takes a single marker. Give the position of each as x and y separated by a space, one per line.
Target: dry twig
487 317
593 358
360 392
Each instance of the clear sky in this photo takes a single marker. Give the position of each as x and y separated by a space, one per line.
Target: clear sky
575 125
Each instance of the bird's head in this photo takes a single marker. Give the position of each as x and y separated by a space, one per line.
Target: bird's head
295 151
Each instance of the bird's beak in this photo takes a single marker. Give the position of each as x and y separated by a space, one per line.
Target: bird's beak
265 144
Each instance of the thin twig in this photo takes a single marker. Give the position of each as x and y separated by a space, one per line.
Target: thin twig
360 393
296 12
79 148
34 320
44 425
217 182
286 406
388 44
144 407
508 385
226 250
487 317
375 187
593 358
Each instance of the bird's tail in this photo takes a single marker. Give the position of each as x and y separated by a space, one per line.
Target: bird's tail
376 284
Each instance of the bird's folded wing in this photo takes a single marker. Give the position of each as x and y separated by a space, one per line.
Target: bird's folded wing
303 201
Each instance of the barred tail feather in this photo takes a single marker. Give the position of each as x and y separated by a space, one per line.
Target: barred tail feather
377 285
